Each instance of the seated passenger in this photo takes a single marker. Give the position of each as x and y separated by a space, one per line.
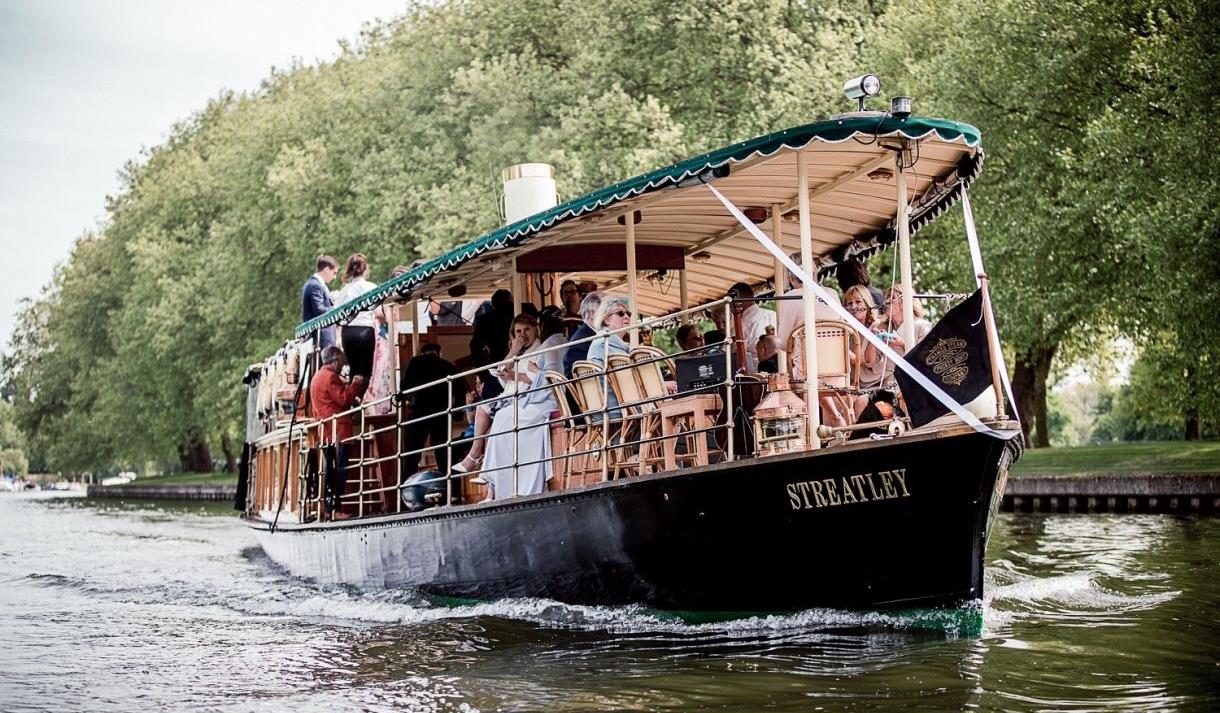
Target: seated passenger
689 339
889 329
577 352
767 354
791 314
754 323
524 337
554 334
866 367
571 296
613 314
331 395
519 437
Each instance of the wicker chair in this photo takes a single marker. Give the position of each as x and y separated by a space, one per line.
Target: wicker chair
834 365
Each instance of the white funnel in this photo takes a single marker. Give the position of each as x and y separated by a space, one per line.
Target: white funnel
529 188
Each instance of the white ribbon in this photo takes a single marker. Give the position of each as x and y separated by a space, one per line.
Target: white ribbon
820 292
976 259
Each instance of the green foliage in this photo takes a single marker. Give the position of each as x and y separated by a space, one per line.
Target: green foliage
1168 385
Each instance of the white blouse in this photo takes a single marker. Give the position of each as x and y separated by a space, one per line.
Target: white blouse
351 291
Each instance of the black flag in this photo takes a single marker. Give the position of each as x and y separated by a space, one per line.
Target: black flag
954 356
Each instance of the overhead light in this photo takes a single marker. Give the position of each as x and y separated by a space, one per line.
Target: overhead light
756 215
900 107
457 291
701 257
792 216
881 174
861 88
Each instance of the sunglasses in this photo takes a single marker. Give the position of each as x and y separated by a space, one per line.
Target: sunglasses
620 313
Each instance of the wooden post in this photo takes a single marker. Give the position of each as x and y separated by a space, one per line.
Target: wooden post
993 346
810 299
632 293
683 295
515 286
777 236
903 223
414 327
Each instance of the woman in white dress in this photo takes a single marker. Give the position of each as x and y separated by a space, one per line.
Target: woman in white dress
526 414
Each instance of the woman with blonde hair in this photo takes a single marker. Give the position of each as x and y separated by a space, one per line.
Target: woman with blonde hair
518 443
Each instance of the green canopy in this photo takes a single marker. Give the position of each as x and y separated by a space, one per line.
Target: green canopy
866 131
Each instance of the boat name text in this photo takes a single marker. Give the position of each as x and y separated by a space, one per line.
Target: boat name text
845 490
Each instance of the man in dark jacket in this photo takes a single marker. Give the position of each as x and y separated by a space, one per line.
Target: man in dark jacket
316 299
432 401
576 352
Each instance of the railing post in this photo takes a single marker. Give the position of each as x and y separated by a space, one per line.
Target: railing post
516 424
730 377
448 440
360 471
605 411
398 451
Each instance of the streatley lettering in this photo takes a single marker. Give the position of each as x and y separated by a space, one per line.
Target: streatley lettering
849 489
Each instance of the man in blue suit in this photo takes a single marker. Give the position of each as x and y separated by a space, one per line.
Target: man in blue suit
316 300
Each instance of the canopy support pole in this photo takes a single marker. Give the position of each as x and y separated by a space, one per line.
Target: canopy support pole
515 286
414 328
777 235
632 287
902 219
683 295
811 344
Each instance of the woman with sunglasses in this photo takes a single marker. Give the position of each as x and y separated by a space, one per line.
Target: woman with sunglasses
613 314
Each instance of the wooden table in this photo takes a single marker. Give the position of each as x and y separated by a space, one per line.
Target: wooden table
685 414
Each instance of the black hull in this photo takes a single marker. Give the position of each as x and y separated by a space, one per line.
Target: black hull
750 536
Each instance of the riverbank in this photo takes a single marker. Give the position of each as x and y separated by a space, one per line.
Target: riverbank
191 486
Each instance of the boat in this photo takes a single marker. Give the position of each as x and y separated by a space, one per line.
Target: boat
732 496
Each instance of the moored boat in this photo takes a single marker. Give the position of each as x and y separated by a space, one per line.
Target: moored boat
726 493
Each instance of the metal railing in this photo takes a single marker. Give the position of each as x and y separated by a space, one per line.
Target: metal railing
610 443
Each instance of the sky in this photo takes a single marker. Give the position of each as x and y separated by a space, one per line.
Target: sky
86 84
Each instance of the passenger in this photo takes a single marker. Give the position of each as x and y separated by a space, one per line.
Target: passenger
524 422
889 329
613 314
852 272
330 396
489 343
754 322
381 382
858 301
511 379
359 338
767 354
689 339
714 337
427 367
570 295
792 315
316 299
576 352
553 335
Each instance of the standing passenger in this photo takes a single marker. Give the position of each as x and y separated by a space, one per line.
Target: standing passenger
316 299
754 323
357 334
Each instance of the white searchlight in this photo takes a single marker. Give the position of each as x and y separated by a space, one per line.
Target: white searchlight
861 88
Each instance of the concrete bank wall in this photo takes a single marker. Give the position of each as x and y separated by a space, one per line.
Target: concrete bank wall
133 491
1184 493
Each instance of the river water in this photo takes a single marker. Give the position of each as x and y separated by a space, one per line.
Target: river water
150 606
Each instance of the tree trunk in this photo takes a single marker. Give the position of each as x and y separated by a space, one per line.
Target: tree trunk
1192 404
1023 392
226 445
195 456
1033 367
